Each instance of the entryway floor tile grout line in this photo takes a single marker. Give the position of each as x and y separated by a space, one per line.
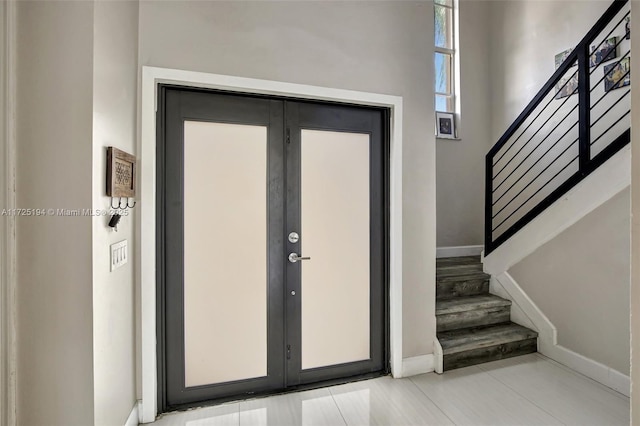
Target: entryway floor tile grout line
521 395
444 413
333 398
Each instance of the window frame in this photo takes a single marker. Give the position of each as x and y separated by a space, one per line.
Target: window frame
452 97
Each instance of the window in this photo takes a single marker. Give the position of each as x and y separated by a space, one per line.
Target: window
445 55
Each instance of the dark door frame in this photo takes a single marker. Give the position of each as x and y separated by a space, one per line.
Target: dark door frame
393 173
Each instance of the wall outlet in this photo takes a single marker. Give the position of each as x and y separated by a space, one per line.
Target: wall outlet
119 254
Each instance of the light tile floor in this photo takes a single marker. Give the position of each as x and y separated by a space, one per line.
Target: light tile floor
527 390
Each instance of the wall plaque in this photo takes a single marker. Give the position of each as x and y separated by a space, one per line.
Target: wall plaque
121 173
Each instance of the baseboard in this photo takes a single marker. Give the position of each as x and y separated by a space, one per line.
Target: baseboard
458 251
134 416
417 365
438 357
523 310
548 339
588 367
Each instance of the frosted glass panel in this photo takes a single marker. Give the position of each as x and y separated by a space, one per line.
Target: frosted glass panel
225 252
335 234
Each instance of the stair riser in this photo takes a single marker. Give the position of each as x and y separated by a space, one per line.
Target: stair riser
474 318
462 287
452 271
488 354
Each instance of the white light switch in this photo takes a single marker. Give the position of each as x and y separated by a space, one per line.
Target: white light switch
119 254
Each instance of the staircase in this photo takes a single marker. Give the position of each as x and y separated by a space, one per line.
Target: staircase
473 325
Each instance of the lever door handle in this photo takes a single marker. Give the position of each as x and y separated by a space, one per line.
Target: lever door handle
293 257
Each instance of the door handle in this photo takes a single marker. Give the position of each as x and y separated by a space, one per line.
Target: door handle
293 257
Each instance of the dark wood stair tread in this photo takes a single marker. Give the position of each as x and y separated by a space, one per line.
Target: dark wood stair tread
467 339
469 303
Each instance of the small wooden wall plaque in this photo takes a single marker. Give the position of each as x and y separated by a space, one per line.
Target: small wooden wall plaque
121 173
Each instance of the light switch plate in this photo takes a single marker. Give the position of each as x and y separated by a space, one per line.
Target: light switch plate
119 254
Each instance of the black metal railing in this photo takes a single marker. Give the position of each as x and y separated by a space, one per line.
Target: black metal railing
560 138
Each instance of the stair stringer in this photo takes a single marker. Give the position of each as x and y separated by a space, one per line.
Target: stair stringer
593 191
505 286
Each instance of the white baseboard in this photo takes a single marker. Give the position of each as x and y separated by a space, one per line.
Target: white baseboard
523 311
596 189
593 369
134 416
548 338
458 251
438 357
417 365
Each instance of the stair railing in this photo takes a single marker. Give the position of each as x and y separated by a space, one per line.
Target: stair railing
560 138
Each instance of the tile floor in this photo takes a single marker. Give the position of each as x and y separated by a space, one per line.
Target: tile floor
528 390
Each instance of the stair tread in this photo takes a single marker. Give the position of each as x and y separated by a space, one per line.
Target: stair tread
468 303
461 340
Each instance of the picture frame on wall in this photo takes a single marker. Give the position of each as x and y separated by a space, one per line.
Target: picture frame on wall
568 84
561 57
445 125
627 27
617 75
604 52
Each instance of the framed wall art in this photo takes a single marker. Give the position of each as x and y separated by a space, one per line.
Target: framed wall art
445 125
617 75
121 173
568 84
606 51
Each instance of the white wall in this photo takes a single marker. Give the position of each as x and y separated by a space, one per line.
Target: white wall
54 162
460 164
115 57
580 280
381 47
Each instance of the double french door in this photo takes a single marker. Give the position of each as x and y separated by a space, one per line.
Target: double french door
272 238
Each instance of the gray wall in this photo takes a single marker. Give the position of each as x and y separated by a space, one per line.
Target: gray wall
54 290
525 37
460 164
115 74
77 94
580 280
382 47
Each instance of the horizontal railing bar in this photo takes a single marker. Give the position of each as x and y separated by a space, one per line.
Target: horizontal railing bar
604 155
535 118
610 108
602 97
611 127
535 211
536 162
535 147
540 128
607 38
561 71
534 179
536 193
552 99
608 15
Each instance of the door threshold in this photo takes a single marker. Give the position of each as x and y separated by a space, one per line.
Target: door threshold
258 395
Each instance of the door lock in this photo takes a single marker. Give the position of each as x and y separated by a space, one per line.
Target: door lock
294 237
293 258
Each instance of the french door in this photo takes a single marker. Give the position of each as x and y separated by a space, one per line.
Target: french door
272 244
